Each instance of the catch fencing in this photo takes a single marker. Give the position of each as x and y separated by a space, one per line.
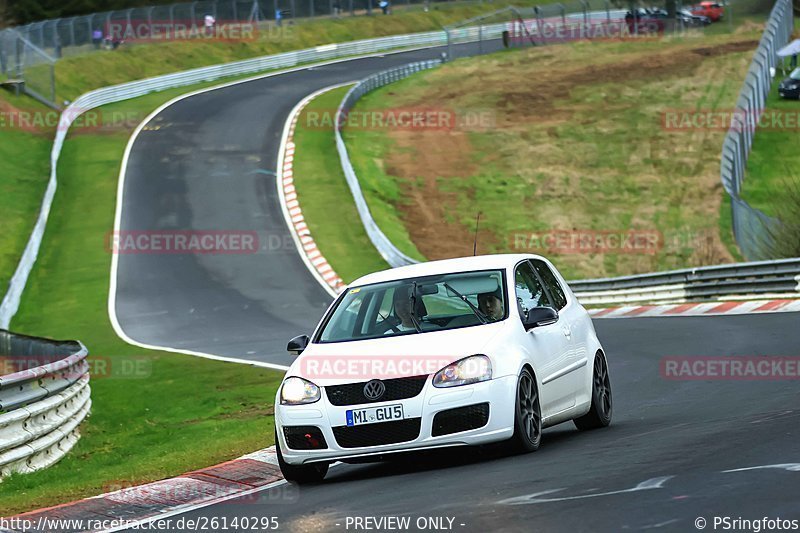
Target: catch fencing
755 232
29 52
43 399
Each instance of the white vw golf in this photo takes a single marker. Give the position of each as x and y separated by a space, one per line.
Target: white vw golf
444 353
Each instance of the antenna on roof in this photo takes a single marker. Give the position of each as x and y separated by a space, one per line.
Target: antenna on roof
475 242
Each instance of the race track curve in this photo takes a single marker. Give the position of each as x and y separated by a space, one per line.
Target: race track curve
207 163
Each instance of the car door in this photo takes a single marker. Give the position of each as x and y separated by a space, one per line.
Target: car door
547 346
574 322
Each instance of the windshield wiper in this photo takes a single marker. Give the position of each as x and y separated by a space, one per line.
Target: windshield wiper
413 312
475 310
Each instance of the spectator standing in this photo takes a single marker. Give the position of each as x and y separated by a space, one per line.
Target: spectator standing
384 5
97 38
209 22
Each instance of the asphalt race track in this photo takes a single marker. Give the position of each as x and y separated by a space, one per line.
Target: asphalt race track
679 435
207 162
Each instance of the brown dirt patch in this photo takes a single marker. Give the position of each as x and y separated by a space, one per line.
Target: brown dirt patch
427 160
421 159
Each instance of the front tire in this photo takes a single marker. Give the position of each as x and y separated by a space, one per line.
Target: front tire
599 414
527 415
300 474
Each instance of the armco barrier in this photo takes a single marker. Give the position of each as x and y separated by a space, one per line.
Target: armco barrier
388 251
117 93
780 278
41 405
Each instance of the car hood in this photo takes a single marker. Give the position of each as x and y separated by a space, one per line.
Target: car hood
392 357
789 81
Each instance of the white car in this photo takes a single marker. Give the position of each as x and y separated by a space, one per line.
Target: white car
457 352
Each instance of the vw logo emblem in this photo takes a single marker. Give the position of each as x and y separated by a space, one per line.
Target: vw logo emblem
374 389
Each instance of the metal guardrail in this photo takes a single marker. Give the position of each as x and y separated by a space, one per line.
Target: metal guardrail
388 251
754 231
780 278
117 93
42 401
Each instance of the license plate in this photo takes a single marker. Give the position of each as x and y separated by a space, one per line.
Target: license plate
372 415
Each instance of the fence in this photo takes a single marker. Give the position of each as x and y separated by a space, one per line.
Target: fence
42 400
754 231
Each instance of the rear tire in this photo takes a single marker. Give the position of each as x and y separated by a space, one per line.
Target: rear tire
527 415
600 412
300 474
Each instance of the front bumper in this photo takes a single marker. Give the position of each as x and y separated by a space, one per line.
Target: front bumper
789 93
499 393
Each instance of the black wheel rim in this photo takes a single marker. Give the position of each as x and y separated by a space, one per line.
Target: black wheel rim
529 408
602 385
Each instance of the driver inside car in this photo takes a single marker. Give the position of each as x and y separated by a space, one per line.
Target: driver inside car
491 306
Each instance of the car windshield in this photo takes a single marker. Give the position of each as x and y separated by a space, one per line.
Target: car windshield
417 305
795 75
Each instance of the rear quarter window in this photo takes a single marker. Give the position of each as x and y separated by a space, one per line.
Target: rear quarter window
551 282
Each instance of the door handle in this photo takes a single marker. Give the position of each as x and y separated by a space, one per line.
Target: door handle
567 331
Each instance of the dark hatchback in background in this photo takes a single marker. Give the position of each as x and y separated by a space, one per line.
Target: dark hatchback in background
790 87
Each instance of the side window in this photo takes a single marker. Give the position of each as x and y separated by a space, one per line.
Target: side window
551 283
529 291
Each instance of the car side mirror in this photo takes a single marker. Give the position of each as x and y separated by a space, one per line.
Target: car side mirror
540 316
297 345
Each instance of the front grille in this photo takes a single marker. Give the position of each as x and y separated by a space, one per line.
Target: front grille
460 419
377 434
396 389
304 438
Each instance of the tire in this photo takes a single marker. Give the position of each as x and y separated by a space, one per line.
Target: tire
527 415
602 407
300 474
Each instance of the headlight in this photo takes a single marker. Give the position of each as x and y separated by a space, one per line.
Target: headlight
468 370
297 391
792 87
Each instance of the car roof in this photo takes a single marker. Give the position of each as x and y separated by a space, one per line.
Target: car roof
445 266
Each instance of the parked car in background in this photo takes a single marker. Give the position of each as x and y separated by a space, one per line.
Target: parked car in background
713 10
691 20
790 87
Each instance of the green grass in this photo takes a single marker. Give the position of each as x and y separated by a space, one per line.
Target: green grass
578 145
187 413
24 171
318 178
774 160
